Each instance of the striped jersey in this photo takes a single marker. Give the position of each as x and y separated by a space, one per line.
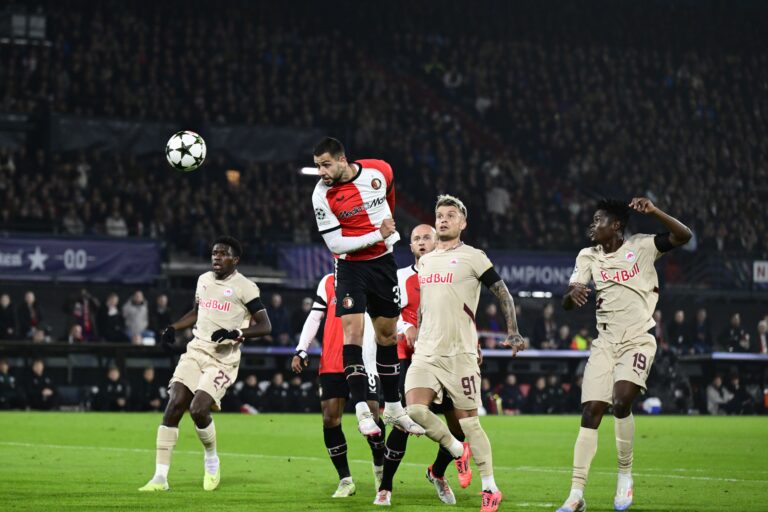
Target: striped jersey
357 207
408 282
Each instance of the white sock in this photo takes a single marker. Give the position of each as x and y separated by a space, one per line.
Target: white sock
211 464
207 436
161 471
390 406
362 408
625 480
489 484
456 449
577 493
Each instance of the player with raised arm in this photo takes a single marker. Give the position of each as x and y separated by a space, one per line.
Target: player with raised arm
627 289
353 205
423 240
228 310
334 390
445 356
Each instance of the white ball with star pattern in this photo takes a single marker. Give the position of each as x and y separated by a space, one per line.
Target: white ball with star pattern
185 151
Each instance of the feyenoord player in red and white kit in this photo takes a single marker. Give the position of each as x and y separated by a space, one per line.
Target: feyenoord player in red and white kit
333 385
423 241
353 205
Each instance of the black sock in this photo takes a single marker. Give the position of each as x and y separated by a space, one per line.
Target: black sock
443 458
357 379
396 443
337 449
377 445
388 366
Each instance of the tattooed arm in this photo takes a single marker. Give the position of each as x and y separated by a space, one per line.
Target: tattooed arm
514 339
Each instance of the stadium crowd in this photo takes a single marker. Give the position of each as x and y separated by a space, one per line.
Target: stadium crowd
529 133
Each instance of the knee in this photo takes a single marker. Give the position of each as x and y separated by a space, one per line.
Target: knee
200 414
418 413
386 337
330 420
173 413
622 407
592 414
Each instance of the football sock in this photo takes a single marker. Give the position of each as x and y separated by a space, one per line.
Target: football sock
166 441
625 435
357 379
377 444
583 453
480 445
207 436
436 430
396 443
443 459
388 367
336 444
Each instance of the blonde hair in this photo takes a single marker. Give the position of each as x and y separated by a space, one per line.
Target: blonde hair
449 200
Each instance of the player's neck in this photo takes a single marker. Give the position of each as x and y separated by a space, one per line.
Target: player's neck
349 173
447 245
225 276
612 245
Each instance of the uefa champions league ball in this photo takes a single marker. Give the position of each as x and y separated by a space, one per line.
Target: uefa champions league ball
185 151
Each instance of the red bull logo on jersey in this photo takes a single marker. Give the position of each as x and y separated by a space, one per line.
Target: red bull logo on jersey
214 304
621 276
435 278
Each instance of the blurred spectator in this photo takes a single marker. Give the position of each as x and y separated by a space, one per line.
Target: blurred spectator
115 224
563 341
733 335
302 396
71 223
761 337
300 315
74 335
490 320
545 329
572 400
582 340
29 315
556 395
136 315
161 315
7 318
114 393
276 395
148 394
717 396
83 308
39 335
39 388
110 320
702 333
538 397
250 395
741 402
489 397
679 334
512 399
11 394
281 323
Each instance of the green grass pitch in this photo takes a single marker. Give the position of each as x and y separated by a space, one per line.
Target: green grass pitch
92 461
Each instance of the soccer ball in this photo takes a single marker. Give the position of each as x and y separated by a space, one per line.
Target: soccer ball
185 151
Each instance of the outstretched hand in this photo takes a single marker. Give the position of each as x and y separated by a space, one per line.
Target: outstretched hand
642 205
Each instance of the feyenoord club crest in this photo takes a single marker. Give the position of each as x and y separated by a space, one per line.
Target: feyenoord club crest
376 183
348 302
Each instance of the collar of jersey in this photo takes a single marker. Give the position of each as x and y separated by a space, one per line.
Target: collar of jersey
359 171
230 276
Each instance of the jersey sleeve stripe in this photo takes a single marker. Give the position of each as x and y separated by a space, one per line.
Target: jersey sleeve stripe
469 312
325 231
320 300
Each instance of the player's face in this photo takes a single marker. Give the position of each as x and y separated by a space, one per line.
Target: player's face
449 223
603 228
422 240
330 169
223 260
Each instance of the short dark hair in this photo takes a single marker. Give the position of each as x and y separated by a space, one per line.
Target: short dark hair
329 145
616 209
237 248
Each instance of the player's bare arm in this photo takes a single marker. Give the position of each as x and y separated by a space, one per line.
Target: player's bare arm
514 340
188 320
576 296
260 325
412 341
679 233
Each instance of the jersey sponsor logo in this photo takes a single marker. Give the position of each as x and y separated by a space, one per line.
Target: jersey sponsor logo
348 302
361 208
376 183
214 304
436 277
621 276
228 292
631 256
319 213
